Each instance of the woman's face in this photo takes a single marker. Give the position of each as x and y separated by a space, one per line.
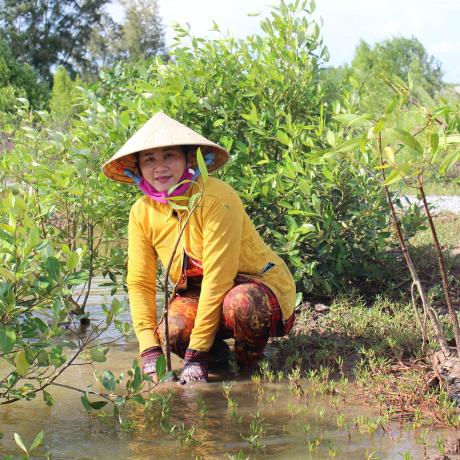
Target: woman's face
162 167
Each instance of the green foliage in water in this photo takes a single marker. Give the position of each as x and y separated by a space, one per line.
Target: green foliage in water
36 284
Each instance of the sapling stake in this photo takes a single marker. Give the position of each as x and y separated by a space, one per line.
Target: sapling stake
442 269
166 288
416 280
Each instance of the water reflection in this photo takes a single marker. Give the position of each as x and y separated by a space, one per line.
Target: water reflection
292 428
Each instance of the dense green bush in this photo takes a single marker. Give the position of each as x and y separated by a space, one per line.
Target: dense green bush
265 100
73 205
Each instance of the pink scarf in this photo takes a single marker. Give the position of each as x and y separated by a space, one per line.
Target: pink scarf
162 197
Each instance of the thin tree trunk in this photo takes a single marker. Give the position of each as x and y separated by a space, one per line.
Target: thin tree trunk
425 302
442 269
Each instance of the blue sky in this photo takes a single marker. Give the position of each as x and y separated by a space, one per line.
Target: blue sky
436 23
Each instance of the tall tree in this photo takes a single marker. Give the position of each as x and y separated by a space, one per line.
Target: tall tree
64 98
18 80
398 57
139 36
142 28
44 33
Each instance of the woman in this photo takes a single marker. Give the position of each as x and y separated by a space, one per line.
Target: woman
229 283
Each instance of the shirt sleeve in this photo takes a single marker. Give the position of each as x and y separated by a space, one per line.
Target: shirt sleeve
222 233
142 269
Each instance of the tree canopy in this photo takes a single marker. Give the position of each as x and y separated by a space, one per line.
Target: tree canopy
139 36
18 80
404 58
45 33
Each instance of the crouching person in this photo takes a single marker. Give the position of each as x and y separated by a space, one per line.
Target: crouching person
229 282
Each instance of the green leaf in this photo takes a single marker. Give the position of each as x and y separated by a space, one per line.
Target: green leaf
7 275
72 261
49 401
7 339
86 404
116 306
449 161
389 155
138 399
18 440
178 207
168 375
54 267
160 366
404 137
137 379
124 118
330 138
21 363
32 241
194 200
98 354
349 145
252 116
394 176
176 186
298 298
96 405
202 165
108 381
38 440
283 138
43 358
354 120
392 105
434 140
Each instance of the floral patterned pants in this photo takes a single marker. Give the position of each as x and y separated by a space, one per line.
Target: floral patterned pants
246 315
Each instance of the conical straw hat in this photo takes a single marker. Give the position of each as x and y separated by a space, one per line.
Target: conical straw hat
161 131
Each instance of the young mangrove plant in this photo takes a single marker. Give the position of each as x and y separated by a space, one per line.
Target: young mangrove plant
256 431
192 205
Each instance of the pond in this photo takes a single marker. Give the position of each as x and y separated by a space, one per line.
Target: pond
271 417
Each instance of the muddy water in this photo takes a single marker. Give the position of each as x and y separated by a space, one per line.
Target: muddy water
292 428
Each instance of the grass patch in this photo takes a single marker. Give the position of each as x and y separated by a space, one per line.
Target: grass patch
450 188
374 340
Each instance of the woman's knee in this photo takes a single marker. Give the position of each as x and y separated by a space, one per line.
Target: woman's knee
247 304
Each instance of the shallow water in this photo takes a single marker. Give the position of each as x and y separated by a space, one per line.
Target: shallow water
290 424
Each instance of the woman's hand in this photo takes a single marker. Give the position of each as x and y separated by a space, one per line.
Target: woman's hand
149 361
195 367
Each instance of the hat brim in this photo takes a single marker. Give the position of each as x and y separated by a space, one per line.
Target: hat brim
114 168
159 132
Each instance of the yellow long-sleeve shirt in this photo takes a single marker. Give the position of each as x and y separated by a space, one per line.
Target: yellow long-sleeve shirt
221 235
